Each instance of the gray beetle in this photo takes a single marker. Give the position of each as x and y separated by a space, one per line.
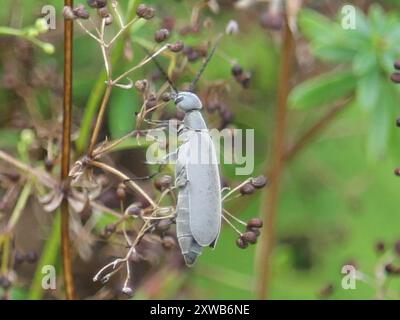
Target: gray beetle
198 208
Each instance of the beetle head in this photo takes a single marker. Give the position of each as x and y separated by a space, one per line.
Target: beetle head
187 101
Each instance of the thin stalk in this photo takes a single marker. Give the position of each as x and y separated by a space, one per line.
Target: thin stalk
65 160
270 205
314 130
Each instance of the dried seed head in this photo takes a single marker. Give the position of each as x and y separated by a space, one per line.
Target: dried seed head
163 225
121 193
19 258
168 23
193 56
31 257
145 12
163 182
237 70
177 46
247 189
271 20
127 291
259 182
255 223
5 283
161 35
326 291
395 77
249 237
111 228
48 164
397 247
103 12
241 243
97 3
151 101
390 268
135 209
245 80
380 246
397 172
397 65
232 27
256 231
166 97
108 20
68 13
141 85
168 242
80 12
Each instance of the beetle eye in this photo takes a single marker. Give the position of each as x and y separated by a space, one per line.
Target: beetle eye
178 99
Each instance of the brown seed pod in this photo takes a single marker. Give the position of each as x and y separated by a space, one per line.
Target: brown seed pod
141 85
273 21
255 223
380 246
177 46
97 3
151 101
111 228
247 189
121 193
68 13
108 20
168 242
259 182
161 35
135 209
145 12
31 257
163 225
397 172
249 237
256 231
163 182
241 243
397 65
237 70
166 97
395 77
80 12
103 12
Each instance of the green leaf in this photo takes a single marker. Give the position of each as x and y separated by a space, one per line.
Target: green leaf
328 39
378 134
322 89
121 114
365 61
368 90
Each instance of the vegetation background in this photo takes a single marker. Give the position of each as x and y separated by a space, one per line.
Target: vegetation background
338 196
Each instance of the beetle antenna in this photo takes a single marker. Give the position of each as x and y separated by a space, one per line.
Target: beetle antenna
160 68
204 66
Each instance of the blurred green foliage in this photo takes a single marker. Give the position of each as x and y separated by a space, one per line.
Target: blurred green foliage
335 202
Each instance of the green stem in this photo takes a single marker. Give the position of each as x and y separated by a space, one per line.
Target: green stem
49 257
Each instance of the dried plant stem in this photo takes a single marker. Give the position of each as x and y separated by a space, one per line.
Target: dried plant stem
99 120
135 187
315 129
270 205
65 160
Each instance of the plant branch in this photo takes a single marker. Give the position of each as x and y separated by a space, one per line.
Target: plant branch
65 160
270 205
315 129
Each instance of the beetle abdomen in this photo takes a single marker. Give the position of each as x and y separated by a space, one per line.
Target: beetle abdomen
189 247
